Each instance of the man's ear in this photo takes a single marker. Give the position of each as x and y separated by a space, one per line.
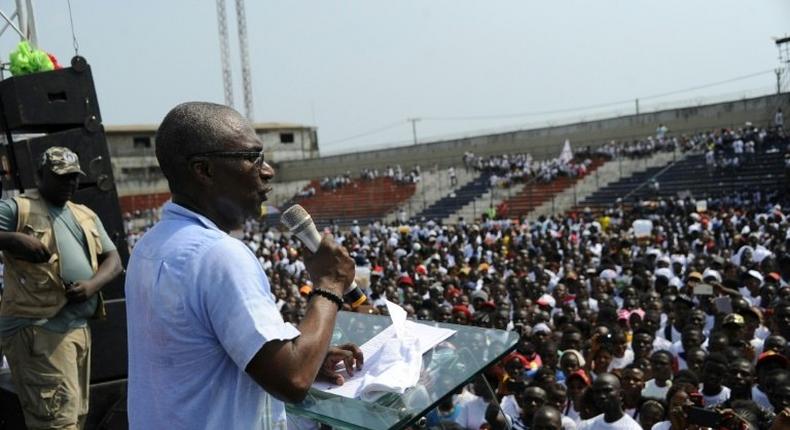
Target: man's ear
201 170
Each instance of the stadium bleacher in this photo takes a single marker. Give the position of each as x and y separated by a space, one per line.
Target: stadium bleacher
454 201
536 193
363 200
691 176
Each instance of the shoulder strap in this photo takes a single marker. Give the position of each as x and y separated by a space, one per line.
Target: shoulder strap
22 212
81 212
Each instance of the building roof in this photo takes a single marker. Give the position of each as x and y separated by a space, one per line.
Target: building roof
151 128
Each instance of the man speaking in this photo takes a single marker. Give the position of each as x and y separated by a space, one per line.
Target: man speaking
207 345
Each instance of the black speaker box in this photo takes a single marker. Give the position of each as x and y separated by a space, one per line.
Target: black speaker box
108 406
109 348
50 101
90 147
11 417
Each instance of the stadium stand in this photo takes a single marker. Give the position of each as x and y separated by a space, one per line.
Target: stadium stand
448 205
535 193
692 177
364 200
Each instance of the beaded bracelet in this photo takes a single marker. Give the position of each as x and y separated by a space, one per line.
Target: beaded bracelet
334 298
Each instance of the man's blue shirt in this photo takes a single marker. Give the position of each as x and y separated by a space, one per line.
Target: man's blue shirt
199 307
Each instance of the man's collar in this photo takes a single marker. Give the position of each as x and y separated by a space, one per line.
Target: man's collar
174 210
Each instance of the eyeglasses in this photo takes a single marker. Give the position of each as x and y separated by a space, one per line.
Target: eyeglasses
255 157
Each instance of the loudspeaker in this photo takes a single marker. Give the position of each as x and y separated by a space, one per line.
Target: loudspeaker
108 406
51 101
109 347
11 416
90 147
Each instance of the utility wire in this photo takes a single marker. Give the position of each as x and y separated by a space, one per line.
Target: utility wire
368 133
727 81
547 112
73 35
595 106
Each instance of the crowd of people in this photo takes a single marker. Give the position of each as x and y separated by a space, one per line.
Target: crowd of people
396 173
335 182
698 309
645 147
677 328
731 149
506 169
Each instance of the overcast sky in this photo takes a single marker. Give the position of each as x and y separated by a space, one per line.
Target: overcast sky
355 67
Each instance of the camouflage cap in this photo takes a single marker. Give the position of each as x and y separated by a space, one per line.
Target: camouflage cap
61 160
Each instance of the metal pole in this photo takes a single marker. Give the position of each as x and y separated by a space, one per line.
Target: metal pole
224 51
8 23
414 128
244 53
11 23
30 23
637 106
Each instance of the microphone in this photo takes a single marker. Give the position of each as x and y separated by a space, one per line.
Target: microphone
301 225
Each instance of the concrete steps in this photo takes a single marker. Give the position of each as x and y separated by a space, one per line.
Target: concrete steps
609 172
433 186
284 191
475 209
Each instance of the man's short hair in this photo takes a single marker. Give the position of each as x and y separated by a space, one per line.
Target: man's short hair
663 352
192 128
715 358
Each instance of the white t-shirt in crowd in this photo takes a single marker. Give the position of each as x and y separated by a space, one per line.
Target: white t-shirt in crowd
660 343
661 333
572 413
598 423
662 425
653 391
622 362
761 399
510 406
473 413
715 400
568 424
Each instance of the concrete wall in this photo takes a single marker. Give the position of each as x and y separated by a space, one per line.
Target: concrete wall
546 142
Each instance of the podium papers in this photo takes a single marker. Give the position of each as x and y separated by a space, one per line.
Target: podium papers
428 338
445 368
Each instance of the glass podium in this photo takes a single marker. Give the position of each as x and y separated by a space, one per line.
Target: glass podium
445 368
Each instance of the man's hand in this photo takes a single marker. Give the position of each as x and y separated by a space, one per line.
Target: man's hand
678 418
28 248
330 266
349 354
81 291
782 420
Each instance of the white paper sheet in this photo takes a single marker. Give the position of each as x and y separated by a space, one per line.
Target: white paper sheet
404 337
